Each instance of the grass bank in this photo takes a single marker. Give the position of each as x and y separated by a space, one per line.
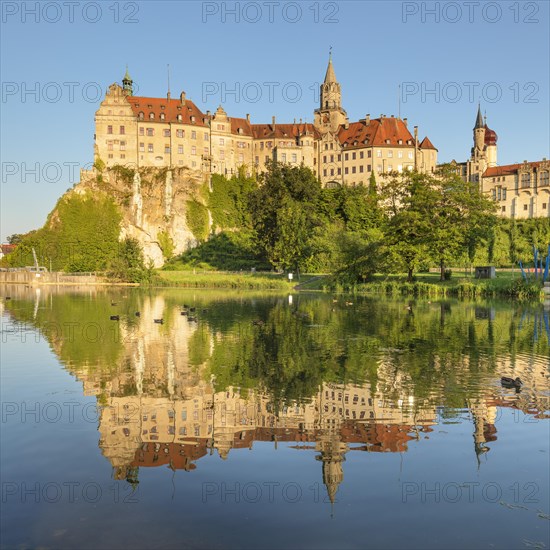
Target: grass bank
247 281
505 285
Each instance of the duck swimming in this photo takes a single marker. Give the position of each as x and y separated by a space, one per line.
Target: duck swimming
511 382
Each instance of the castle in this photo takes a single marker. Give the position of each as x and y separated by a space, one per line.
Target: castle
520 190
165 132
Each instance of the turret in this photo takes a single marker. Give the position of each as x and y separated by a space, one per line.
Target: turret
479 131
127 83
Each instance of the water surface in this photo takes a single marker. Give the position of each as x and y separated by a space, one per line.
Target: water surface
269 421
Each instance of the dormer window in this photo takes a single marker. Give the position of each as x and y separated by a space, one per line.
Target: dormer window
388 141
179 107
240 130
149 106
151 116
400 141
355 143
141 115
193 119
179 118
162 107
161 116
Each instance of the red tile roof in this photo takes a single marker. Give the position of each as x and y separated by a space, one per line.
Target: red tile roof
376 133
507 169
7 248
243 124
282 131
170 107
426 144
491 137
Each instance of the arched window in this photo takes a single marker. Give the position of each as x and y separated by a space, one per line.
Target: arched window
141 115
151 116
179 118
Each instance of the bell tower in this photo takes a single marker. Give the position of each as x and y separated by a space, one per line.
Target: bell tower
127 83
330 115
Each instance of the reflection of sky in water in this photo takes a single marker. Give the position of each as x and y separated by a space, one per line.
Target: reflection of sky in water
432 490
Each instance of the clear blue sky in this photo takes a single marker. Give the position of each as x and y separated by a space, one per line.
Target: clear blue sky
494 52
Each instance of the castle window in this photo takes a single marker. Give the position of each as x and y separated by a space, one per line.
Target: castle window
241 157
379 168
399 154
361 168
141 115
331 158
354 156
369 167
111 156
193 135
339 171
388 141
166 133
123 146
325 172
180 149
179 118
544 178
544 206
390 167
109 129
142 147
400 141
379 153
346 171
362 154
122 130
161 116
504 193
205 136
410 155
109 146
151 116
142 131
354 170
499 193
390 154
167 148
194 150
400 168
503 209
294 157
150 132
332 171
369 154
494 194
180 133
206 152
193 119
525 207
222 141
150 148
526 180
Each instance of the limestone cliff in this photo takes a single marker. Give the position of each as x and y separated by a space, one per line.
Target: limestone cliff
164 209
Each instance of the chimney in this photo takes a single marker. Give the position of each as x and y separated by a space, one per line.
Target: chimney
381 116
248 117
294 120
392 116
415 135
273 121
182 97
405 121
207 113
168 96
367 119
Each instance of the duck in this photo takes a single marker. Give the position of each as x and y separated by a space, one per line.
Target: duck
114 317
511 382
138 314
192 319
184 312
159 321
192 309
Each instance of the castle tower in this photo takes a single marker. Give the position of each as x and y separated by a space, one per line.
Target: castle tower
479 136
330 114
127 83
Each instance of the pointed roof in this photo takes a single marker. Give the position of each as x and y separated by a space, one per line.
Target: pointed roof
127 75
330 76
479 118
426 144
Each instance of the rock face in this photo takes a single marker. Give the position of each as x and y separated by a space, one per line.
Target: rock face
153 203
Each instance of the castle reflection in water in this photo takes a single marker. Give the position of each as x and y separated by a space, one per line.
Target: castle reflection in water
160 406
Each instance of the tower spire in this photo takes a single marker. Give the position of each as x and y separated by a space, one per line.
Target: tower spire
479 118
127 83
330 76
